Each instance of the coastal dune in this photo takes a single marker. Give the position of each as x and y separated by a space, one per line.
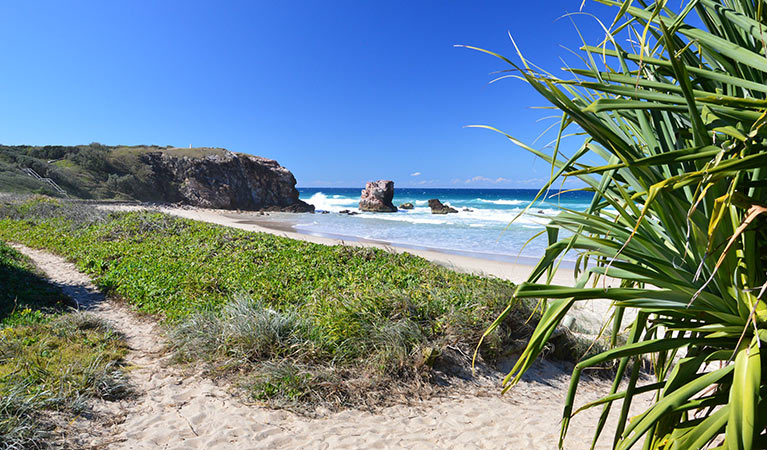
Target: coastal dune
589 316
514 272
181 410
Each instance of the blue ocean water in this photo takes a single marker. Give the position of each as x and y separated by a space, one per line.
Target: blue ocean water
482 227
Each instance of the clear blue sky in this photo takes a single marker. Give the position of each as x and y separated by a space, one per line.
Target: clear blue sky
339 92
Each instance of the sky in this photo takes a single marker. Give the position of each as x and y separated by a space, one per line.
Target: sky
339 92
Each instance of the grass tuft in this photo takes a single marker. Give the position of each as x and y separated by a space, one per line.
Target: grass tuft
56 365
19 425
244 330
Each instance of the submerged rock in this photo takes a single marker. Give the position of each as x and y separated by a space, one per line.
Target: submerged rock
227 180
377 196
438 208
407 205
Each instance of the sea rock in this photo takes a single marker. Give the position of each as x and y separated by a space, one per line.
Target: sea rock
467 210
377 196
226 180
438 208
407 205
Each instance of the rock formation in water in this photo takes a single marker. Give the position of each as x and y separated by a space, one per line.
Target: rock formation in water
438 208
227 181
407 205
377 196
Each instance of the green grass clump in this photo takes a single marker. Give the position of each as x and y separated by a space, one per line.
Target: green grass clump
49 360
55 366
250 302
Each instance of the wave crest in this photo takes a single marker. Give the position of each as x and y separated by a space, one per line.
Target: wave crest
502 201
335 203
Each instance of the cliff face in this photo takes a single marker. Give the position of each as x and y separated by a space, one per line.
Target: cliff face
205 177
226 181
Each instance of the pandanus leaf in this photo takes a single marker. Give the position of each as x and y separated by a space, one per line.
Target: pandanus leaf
676 155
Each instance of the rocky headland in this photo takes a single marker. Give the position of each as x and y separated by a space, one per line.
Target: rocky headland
228 181
202 177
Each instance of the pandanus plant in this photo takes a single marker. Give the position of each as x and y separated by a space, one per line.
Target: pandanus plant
673 104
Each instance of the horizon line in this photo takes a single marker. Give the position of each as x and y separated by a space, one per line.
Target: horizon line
456 188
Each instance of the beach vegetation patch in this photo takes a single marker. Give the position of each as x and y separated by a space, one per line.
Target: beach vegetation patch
289 320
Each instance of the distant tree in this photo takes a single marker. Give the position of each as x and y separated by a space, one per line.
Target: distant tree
92 159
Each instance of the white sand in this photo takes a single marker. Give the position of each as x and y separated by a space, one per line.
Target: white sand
175 410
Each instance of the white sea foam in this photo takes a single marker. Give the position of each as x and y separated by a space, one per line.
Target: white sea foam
502 202
487 218
306 224
335 203
475 218
507 215
399 217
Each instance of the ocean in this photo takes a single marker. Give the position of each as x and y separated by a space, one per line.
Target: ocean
482 227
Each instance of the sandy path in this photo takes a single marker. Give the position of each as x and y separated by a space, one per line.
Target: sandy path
177 411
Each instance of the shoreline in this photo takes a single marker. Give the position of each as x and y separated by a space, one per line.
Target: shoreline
288 227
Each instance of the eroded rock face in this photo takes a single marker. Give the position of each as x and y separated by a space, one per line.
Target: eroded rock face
438 208
377 196
227 181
